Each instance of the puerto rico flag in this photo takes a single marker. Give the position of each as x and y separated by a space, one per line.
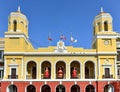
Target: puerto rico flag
62 37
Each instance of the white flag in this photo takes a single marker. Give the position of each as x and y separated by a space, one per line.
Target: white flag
73 40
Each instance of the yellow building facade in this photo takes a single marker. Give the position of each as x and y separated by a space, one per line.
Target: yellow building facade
61 68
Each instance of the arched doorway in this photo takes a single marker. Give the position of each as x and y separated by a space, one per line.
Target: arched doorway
90 88
75 88
60 70
31 88
109 88
89 70
12 88
46 88
31 70
46 70
75 69
60 88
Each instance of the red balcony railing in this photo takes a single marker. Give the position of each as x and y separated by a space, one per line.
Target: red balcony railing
108 76
12 76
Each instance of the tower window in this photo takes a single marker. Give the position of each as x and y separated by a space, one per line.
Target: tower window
106 26
14 25
99 26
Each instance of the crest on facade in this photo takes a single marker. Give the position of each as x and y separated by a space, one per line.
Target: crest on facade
60 47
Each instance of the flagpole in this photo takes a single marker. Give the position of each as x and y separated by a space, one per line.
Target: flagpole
60 36
49 40
70 38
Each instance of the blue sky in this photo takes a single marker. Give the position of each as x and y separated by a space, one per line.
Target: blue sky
60 16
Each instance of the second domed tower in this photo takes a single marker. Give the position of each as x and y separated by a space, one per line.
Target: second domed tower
102 23
104 38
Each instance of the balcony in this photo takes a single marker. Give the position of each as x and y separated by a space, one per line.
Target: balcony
105 77
43 77
77 77
12 76
61 77
89 77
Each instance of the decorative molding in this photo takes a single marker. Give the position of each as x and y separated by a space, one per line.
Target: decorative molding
13 65
104 15
64 54
21 35
60 47
59 80
14 14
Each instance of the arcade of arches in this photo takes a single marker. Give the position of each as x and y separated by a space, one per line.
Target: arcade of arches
61 88
60 70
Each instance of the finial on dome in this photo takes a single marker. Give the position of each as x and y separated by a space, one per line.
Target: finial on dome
18 8
101 9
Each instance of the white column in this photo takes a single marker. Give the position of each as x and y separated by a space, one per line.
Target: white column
22 68
95 71
37 71
40 73
98 67
67 71
115 68
81 71
54 70
25 69
5 67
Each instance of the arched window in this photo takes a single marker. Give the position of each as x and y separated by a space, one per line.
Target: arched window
75 88
109 88
12 88
14 25
46 88
89 70
90 88
99 26
46 70
60 88
105 26
31 70
31 88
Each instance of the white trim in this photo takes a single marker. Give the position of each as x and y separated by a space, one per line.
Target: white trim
115 67
14 14
104 15
22 68
53 53
58 80
4 67
13 65
104 36
99 65
107 53
21 35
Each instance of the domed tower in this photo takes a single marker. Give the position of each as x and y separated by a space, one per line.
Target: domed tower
16 38
103 36
18 23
